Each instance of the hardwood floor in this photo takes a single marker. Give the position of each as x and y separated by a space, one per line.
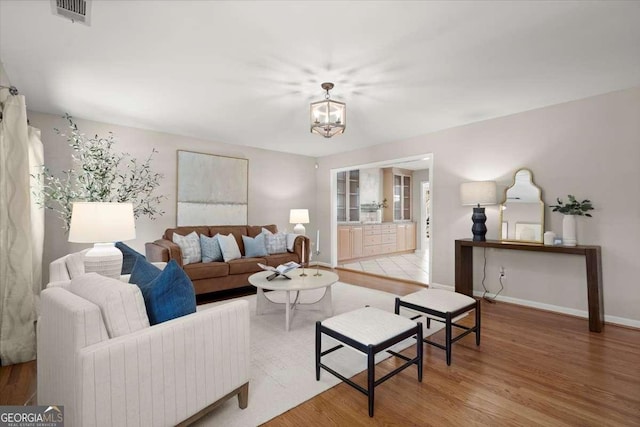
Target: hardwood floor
18 384
532 368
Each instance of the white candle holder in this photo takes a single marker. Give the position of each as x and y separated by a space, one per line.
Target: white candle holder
302 261
317 264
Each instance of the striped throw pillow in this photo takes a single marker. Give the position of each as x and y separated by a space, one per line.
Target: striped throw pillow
189 246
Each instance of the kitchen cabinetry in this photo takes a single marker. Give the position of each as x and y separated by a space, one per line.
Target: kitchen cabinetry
357 241
401 239
350 242
410 236
348 195
372 240
396 187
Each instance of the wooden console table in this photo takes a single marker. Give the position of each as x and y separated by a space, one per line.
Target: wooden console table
464 270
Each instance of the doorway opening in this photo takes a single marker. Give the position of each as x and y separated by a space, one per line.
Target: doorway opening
390 235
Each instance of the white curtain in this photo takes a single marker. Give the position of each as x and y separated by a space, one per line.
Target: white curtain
36 160
21 231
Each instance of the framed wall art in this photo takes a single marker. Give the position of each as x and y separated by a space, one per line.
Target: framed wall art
212 189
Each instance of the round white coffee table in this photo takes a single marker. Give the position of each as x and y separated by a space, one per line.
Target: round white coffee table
296 284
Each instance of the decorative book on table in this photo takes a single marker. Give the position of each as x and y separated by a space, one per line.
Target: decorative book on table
280 270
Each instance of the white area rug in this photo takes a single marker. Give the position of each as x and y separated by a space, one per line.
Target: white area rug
282 363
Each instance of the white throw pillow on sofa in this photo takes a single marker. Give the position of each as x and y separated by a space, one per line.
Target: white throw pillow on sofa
229 247
121 304
189 246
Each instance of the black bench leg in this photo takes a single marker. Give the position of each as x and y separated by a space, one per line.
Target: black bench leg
478 322
371 366
318 350
448 337
419 350
428 323
397 309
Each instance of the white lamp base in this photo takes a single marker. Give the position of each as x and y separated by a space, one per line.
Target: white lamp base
104 259
299 229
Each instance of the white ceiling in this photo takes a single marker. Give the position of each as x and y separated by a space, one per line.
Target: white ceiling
245 72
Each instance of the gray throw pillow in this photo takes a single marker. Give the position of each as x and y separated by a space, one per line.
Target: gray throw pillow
254 247
210 249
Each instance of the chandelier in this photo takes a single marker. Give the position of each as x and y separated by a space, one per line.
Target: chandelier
328 118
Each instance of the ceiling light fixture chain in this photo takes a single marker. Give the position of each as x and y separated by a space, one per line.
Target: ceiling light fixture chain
327 87
328 117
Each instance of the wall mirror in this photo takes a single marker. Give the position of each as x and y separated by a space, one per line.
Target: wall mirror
522 211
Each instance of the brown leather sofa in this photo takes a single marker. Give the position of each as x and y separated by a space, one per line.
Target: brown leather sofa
219 276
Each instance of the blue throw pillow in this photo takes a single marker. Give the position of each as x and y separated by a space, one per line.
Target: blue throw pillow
254 247
143 272
170 295
129 257
210 248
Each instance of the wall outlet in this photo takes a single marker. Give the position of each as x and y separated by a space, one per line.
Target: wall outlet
502 273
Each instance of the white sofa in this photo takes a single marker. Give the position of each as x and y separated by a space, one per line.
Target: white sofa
161 375
68 266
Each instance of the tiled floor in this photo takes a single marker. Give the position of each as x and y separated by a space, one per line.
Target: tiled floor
406 266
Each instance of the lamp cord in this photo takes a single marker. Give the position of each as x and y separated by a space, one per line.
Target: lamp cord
484 276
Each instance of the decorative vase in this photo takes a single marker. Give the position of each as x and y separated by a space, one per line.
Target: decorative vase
479 229
569 230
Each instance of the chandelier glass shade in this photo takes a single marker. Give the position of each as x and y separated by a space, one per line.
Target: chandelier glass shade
328 117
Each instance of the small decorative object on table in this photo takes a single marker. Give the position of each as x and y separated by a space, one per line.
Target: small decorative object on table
280 270
571 209
480 193
549 238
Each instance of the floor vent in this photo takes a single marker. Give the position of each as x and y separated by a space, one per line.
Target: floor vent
75 10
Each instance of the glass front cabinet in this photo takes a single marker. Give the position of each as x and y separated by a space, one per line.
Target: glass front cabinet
397 188
348 196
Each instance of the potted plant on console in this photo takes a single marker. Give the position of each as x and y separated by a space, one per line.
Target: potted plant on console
571 209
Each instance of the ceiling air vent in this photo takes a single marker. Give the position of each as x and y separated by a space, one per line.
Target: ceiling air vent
75 10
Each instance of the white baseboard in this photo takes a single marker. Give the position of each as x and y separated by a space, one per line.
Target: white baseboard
320 263
441 286
565 310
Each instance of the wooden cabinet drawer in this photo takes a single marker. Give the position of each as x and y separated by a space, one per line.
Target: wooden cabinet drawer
388 238
372 240
388 227
388 248
372 250
371 231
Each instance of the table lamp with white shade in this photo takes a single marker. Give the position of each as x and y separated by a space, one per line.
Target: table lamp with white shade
299 217
103 224
479 194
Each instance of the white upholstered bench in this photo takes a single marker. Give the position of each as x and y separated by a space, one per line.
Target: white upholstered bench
370 331
443 306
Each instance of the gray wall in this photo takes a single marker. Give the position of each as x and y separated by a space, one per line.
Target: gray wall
589 148
277 181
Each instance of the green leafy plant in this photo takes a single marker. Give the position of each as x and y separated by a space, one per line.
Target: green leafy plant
99 174
382 204
573 207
